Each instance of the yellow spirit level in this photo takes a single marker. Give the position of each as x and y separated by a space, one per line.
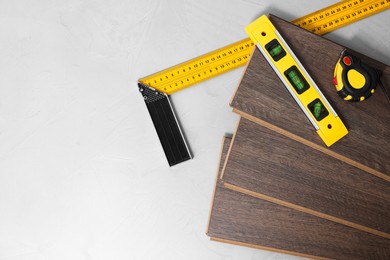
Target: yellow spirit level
297 81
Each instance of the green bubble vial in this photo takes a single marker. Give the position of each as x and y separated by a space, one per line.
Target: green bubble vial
296 80
317 109
276 50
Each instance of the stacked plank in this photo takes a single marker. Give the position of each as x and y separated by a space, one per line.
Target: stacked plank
280 188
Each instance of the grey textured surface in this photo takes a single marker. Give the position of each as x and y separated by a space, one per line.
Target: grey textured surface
82 172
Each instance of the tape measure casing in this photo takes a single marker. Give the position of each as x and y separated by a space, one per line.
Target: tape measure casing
354 80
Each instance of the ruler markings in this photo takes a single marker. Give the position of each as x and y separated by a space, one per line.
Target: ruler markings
237 54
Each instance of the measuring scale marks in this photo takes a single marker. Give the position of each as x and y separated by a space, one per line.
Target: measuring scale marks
215 63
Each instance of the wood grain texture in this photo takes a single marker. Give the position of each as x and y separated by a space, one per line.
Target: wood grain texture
271 166
240 219
262 97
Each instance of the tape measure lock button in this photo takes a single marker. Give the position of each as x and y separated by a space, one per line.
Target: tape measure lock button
347 60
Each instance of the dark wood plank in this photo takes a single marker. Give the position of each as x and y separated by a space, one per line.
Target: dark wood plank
271 166
244 220
262 97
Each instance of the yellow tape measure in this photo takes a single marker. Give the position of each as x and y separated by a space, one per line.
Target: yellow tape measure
237 54
297 81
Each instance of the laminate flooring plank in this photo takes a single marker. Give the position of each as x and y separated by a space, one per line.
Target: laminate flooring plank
262 98
240 219
271 166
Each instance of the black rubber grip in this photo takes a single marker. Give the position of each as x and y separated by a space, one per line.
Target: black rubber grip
166 125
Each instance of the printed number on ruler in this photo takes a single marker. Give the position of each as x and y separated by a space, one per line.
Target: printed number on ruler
340 14
201 68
